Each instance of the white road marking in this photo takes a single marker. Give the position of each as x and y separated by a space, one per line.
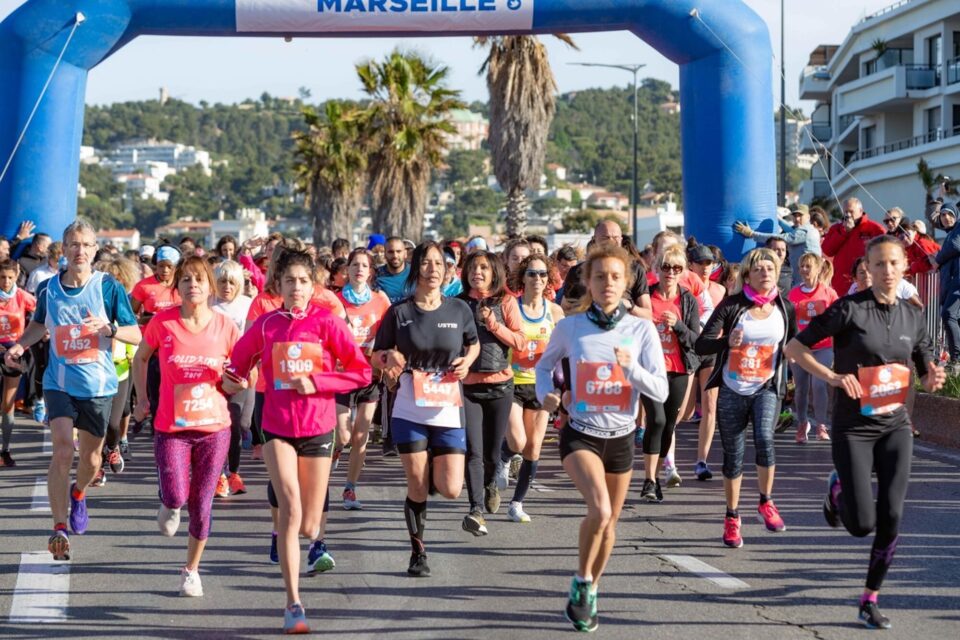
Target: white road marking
47 442
707 572
540 488
42 590
41 501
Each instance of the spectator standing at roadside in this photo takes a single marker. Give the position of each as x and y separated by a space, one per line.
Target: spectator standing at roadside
847 240
801 237
35 256
948 260
47 270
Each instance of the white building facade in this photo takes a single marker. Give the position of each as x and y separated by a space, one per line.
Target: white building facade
887 97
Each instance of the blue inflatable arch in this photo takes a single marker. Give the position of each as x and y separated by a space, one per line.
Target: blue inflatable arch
722 47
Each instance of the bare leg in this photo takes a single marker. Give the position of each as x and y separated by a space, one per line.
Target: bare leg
586 471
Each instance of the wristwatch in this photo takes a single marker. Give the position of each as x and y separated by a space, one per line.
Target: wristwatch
113 330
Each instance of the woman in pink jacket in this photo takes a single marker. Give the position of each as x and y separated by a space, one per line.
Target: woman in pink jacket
298 347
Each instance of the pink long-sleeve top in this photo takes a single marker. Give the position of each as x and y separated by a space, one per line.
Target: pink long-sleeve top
287 347
256 275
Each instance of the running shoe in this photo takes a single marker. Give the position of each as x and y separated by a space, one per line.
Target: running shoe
491 497
823 433
78 513
418 565
731 532
115 460
100 479
702 471
350 502
168 520
235 484
638 436
274 553
803 428
389 449
246 440
785 421
659 490
579 609
769 515
517 514
257 453
59 545
831 510
125 450
871 618
295 620
6 460
39 410
673 479
501 475
515 463
190 585
319 559
649 491
474 523
223 487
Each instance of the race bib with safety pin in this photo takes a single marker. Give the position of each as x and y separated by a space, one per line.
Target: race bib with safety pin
602 388
752 362
195 405
293 360
884 388
77 343
436 390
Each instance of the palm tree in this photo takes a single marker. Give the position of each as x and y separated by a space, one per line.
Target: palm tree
406 124
522 105
331 169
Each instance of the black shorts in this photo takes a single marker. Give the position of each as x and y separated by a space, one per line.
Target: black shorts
88 414
707 362
615 453
525 395
307 446
366 395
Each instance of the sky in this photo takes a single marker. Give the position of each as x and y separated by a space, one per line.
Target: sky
229 70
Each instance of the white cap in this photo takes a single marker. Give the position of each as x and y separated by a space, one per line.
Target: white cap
920 226
146 251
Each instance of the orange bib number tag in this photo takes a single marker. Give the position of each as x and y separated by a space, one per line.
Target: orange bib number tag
668 339
11 327
195 405
77 344
885 388
530 356
602 388
293 360
752 362
436 390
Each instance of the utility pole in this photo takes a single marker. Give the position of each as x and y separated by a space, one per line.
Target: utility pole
783 110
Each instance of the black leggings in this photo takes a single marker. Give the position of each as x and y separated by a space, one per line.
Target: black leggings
487 411
856 456
256 425
662 417
236 436
119 409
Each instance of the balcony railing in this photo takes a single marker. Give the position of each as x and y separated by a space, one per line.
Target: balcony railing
908 143
953 71
889 58
821 132
886 10
923 76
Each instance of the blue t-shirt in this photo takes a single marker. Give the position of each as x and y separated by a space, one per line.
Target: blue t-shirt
393 284
115 301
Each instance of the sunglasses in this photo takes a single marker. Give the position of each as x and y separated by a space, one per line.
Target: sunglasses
532 273
891 220
671 268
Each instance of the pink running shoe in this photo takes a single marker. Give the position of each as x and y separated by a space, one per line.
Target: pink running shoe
770 517
803 428
731 532
822 432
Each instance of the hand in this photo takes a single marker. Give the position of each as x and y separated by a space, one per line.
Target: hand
101 326
231 386
304 386
12 357
935 378
743 229
624 357
484 314
849 223
669 318
736 338
25 230
394 360
253 243
142 410
459 368
552 402
848 382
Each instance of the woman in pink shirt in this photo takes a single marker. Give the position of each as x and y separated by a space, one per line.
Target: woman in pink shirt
192 423
299 347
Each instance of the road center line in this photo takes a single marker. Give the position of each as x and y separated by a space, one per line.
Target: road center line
41 501
47 442
706 572
42 590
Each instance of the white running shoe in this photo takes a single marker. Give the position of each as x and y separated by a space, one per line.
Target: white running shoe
674 479
500 475
190 585
168 520
517 514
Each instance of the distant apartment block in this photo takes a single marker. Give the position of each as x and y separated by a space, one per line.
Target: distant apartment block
795 132
141 153
472 129
887 96
122 239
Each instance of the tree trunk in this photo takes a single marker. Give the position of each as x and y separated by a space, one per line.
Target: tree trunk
323 227
517 206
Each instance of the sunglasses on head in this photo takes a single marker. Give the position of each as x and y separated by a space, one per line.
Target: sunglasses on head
671 268
534 273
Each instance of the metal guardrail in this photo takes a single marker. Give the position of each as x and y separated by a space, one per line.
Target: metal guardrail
899 145
886 10
953 71
928 286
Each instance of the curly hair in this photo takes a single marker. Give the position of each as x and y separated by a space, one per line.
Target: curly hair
517 279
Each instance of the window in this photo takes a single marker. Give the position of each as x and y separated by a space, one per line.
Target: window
869 138
934 121
934 50
956 119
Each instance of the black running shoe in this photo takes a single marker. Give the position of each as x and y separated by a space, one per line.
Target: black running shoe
418 565
125 450
580 608
871 618
474 523
831 511
6 460
491 497
649 491
389 449
659 491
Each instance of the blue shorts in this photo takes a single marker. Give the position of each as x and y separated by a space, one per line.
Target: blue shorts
411 437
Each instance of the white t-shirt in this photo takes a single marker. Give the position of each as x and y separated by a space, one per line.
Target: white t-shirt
236 310
905 290
750 367
41 274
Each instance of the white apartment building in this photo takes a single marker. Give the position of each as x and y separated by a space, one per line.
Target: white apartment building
887 96
794 129
247 224
472 129
126 158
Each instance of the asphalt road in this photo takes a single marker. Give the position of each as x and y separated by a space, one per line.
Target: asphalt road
802 583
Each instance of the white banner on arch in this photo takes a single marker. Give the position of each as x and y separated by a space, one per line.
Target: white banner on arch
322 16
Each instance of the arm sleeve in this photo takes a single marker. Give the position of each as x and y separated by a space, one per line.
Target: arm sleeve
710 341
510 332
557 348
256 276
950 248
688 327
117 303
356 372
640 286
834 240
40 314
248 349
827 325
649 376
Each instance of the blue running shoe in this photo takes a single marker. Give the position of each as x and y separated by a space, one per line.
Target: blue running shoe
638 436
78 513
40 411
319 559
247 440
295 620
581 607
274 554
831 510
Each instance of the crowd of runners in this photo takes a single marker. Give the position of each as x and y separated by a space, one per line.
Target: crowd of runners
466 357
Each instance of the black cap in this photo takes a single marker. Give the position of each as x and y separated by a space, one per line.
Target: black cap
700 253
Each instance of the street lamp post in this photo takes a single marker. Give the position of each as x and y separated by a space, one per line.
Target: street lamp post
634 69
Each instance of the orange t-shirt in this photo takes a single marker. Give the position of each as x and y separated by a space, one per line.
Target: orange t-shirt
13 315
154 295
364 320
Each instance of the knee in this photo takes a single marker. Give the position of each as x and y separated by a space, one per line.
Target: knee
62 457
359 438
309 528
602 517
859 529
450 492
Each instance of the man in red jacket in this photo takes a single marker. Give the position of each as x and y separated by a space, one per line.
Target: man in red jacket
847 240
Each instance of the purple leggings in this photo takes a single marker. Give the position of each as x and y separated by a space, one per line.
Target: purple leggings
188 467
